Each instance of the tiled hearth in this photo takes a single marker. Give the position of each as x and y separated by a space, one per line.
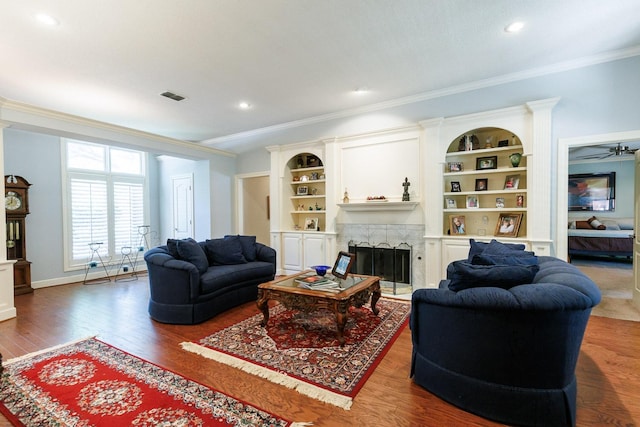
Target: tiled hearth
389 234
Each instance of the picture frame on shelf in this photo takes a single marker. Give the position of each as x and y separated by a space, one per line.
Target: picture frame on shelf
302 190
457 225
482 184
472 202
503 143
490 162
310 224
512 182
456 166
499 202
452 204
508 224
455 187
520 200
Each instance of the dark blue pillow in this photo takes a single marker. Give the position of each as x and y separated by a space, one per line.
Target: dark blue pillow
490 259
190 250
172 248
224 252
465 275
248 244
478 248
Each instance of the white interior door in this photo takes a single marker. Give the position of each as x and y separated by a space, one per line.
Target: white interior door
182 206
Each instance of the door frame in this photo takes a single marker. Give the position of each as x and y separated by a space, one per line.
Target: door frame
562 168
239 196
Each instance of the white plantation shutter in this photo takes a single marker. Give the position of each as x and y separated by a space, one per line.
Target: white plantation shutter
128 213
89 216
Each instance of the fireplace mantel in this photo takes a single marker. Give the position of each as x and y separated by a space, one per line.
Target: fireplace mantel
378 206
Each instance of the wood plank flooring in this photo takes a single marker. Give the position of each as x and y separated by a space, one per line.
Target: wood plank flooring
608 369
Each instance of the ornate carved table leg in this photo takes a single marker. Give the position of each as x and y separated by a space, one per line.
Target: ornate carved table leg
341 320
375 296
262 302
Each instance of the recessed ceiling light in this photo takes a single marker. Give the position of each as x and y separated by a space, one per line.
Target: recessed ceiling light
361 90
514 27
244 105
45 19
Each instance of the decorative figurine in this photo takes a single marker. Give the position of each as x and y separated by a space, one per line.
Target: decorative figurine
405 195
345 199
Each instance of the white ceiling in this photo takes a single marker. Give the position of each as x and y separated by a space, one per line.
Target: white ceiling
293 60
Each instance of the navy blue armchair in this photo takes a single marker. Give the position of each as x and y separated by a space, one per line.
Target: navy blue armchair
508 355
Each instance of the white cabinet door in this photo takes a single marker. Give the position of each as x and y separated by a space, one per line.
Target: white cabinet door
292 251
314 253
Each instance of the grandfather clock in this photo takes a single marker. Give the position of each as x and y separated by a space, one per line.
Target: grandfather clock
16 204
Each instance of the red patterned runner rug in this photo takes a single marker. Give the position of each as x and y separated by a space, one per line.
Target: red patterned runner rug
90 383
300 350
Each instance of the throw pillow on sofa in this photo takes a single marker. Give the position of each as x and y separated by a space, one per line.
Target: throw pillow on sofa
224 252
248 244
191 251
478 248
464 275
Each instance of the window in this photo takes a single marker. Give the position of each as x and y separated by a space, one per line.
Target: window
106 201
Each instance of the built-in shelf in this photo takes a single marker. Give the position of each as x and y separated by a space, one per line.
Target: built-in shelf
378 206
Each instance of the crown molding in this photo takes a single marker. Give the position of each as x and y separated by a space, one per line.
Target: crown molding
18 113
453 90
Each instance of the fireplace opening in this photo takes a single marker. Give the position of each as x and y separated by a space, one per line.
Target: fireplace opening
391 264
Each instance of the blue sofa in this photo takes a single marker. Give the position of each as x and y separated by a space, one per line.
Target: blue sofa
506 353
191 282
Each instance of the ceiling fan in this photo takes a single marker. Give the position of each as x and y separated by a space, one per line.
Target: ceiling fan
618 150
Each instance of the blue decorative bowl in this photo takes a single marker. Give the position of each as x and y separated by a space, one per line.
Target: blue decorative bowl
321 270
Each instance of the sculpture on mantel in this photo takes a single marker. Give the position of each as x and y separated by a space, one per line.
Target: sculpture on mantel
405 195
345 199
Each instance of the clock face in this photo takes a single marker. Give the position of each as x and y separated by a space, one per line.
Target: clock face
12 201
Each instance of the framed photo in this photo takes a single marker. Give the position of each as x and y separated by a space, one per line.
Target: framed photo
490 162
455 187
512 182
520 200
508 224
499 202
343 264
311 224
457 225
503 143
592 191
482 184
452 204
456 167
303 190
472 202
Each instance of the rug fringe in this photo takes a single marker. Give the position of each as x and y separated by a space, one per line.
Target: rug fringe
46 350
301 387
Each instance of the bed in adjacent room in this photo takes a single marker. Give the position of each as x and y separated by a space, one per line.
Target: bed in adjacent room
606 237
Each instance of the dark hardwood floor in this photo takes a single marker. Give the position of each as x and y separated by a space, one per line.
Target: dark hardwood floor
608 369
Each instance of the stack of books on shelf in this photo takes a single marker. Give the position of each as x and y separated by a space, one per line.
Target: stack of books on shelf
317 283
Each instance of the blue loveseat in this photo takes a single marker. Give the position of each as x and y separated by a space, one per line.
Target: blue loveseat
191 281
505 350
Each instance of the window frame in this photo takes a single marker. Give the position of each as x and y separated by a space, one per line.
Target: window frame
110 254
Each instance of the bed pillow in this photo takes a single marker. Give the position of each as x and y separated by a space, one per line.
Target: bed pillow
611 225
191 251
466 276
625 224
583 225
595 223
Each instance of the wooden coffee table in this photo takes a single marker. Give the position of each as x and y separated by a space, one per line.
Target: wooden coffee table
355 291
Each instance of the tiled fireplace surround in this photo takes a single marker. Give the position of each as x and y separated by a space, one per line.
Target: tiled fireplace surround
392 235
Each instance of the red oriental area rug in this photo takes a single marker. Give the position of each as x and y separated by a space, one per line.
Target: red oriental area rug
90 383
300 350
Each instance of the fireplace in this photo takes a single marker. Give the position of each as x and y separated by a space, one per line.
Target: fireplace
391 264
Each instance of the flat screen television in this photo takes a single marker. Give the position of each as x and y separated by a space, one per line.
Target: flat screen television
592 192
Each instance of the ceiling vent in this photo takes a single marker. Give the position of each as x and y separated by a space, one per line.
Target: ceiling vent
173 96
